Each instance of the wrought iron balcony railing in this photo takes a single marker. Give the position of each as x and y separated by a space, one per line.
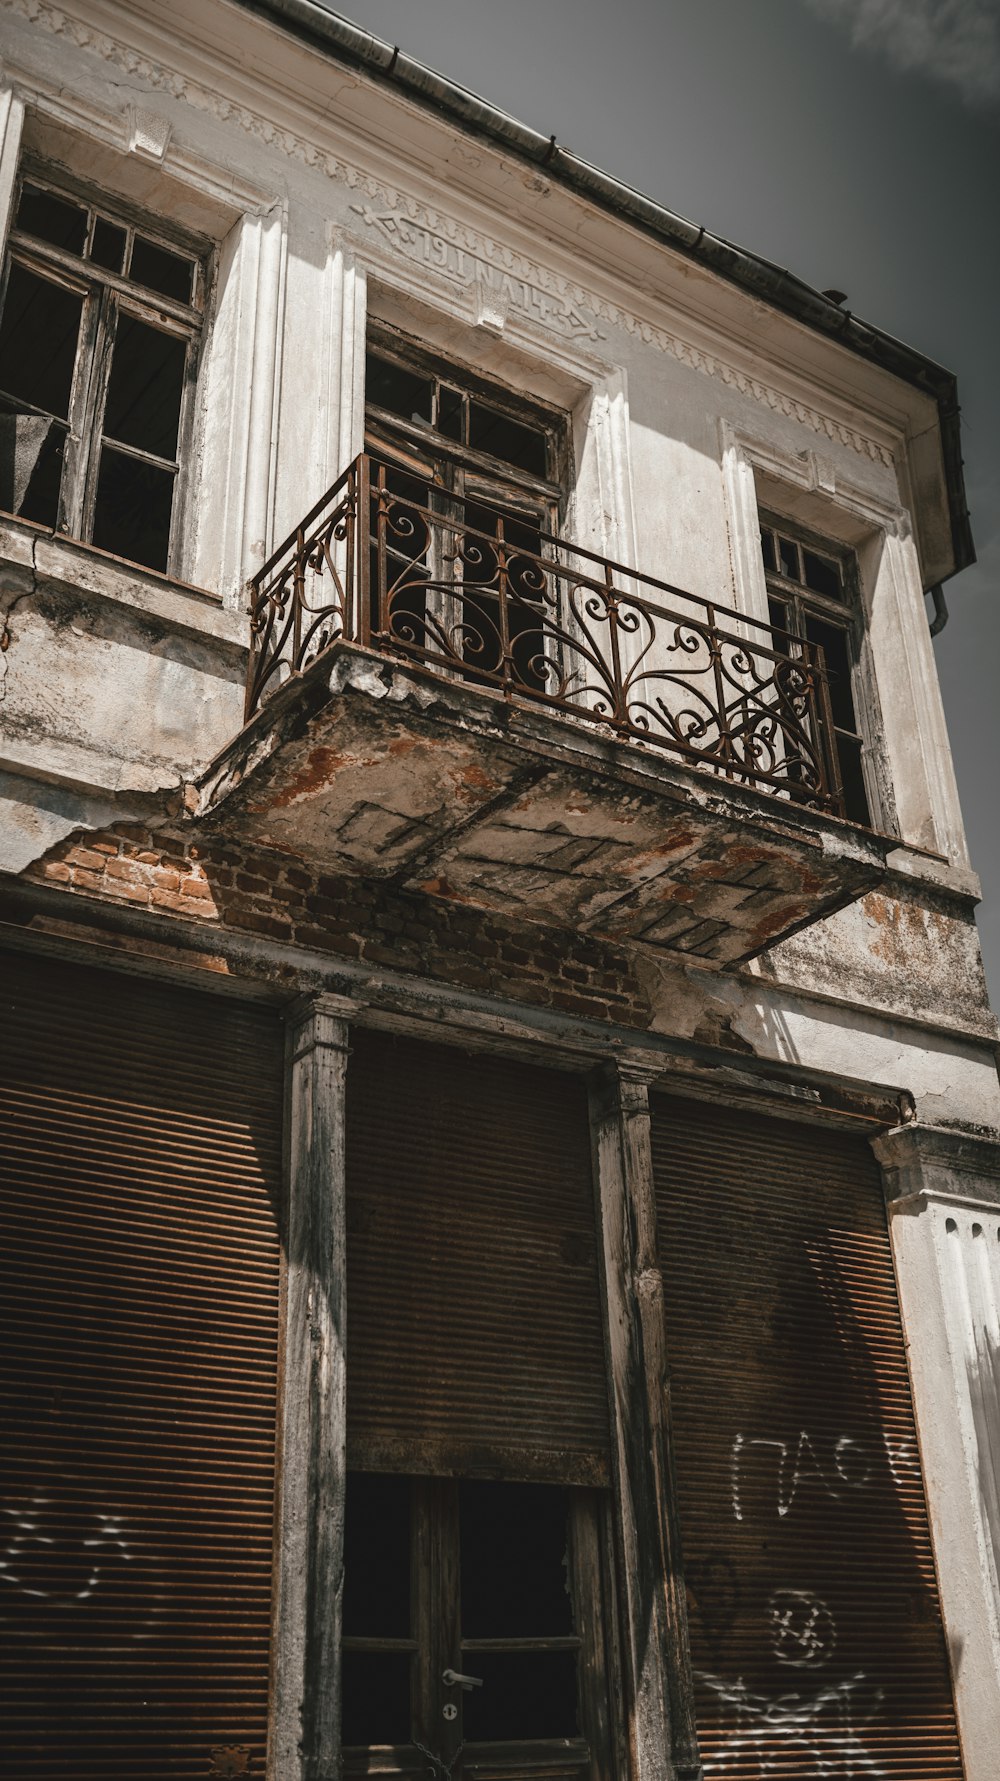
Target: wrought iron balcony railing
479 594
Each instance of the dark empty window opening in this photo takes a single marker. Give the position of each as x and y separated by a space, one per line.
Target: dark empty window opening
492 1582
481 473
98 338
812 594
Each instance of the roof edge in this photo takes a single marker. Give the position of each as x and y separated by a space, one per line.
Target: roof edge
333 34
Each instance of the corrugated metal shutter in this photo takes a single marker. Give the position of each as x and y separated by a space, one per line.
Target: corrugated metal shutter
815 1627
139 1303
474 1339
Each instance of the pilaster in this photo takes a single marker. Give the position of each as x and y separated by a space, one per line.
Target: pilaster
304 1734
943 1194
655 1644
11 125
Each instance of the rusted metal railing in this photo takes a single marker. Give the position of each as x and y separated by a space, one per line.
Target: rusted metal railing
479 594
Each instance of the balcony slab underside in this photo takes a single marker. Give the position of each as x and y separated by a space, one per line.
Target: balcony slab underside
365 765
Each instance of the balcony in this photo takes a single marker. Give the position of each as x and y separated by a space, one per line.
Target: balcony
439 695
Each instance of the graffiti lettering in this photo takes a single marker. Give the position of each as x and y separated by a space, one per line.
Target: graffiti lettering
849 1468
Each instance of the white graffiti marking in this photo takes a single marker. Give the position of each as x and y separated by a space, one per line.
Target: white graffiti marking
849 1469
28 1541
904 1460
821 1733
803 1632
67 1559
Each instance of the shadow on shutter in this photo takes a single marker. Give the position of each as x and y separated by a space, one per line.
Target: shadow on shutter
474 1341
816 1633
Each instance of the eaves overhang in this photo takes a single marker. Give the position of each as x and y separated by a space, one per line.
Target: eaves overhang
761 279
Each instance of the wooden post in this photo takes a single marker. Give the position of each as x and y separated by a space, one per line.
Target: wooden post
657 1665
304 1738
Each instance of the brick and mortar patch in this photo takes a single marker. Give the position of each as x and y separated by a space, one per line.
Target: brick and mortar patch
269 895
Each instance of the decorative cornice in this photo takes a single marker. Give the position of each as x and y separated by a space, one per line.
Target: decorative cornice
453 249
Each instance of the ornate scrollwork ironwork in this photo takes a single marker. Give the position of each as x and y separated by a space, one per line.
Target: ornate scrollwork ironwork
391 561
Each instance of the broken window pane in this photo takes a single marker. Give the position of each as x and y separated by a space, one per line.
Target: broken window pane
159 270
132 513
145 388
788 559
38 341
377 1556
822 575
107 245
852 777
31 456
832 639
38 346
376 1697
525 1694
493 432
55 344
402 392
513 1560
451 413
57 220
767 550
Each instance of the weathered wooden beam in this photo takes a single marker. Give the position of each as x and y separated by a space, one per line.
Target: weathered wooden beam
664 1745
303 1743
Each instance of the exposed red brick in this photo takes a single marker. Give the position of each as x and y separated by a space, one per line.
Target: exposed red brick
195 887
127 868
86 880
263 894
86 857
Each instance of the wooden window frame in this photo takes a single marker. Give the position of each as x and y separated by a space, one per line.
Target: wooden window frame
464 471
106 295
845 614
458 474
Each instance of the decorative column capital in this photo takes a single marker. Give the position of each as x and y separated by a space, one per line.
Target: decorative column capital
939 1162
319 1017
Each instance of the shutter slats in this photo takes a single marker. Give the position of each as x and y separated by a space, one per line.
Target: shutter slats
474 1340
140 1188
815 1627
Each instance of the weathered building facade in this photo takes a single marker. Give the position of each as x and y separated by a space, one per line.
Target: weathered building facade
501 1114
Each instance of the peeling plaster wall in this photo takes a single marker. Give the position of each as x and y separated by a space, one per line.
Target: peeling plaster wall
113 689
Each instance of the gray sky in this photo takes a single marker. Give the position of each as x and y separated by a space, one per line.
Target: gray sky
856 142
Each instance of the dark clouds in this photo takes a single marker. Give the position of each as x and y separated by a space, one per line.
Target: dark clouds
862 164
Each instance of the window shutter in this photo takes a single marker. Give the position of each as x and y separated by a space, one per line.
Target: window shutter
474 1336
815 1627
139 1301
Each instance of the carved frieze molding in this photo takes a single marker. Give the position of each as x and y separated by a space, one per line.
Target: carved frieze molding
501 279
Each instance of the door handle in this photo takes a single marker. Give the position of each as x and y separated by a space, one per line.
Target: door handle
451 1677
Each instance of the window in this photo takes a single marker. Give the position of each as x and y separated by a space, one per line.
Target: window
98 339
472 479
812 595
496 1584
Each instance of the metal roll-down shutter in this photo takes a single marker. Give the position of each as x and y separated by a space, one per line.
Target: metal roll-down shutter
816 1632
474 1336
140 1180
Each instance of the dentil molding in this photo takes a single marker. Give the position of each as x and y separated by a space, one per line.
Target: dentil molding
501 279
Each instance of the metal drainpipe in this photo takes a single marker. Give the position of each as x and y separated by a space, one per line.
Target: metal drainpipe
940 618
